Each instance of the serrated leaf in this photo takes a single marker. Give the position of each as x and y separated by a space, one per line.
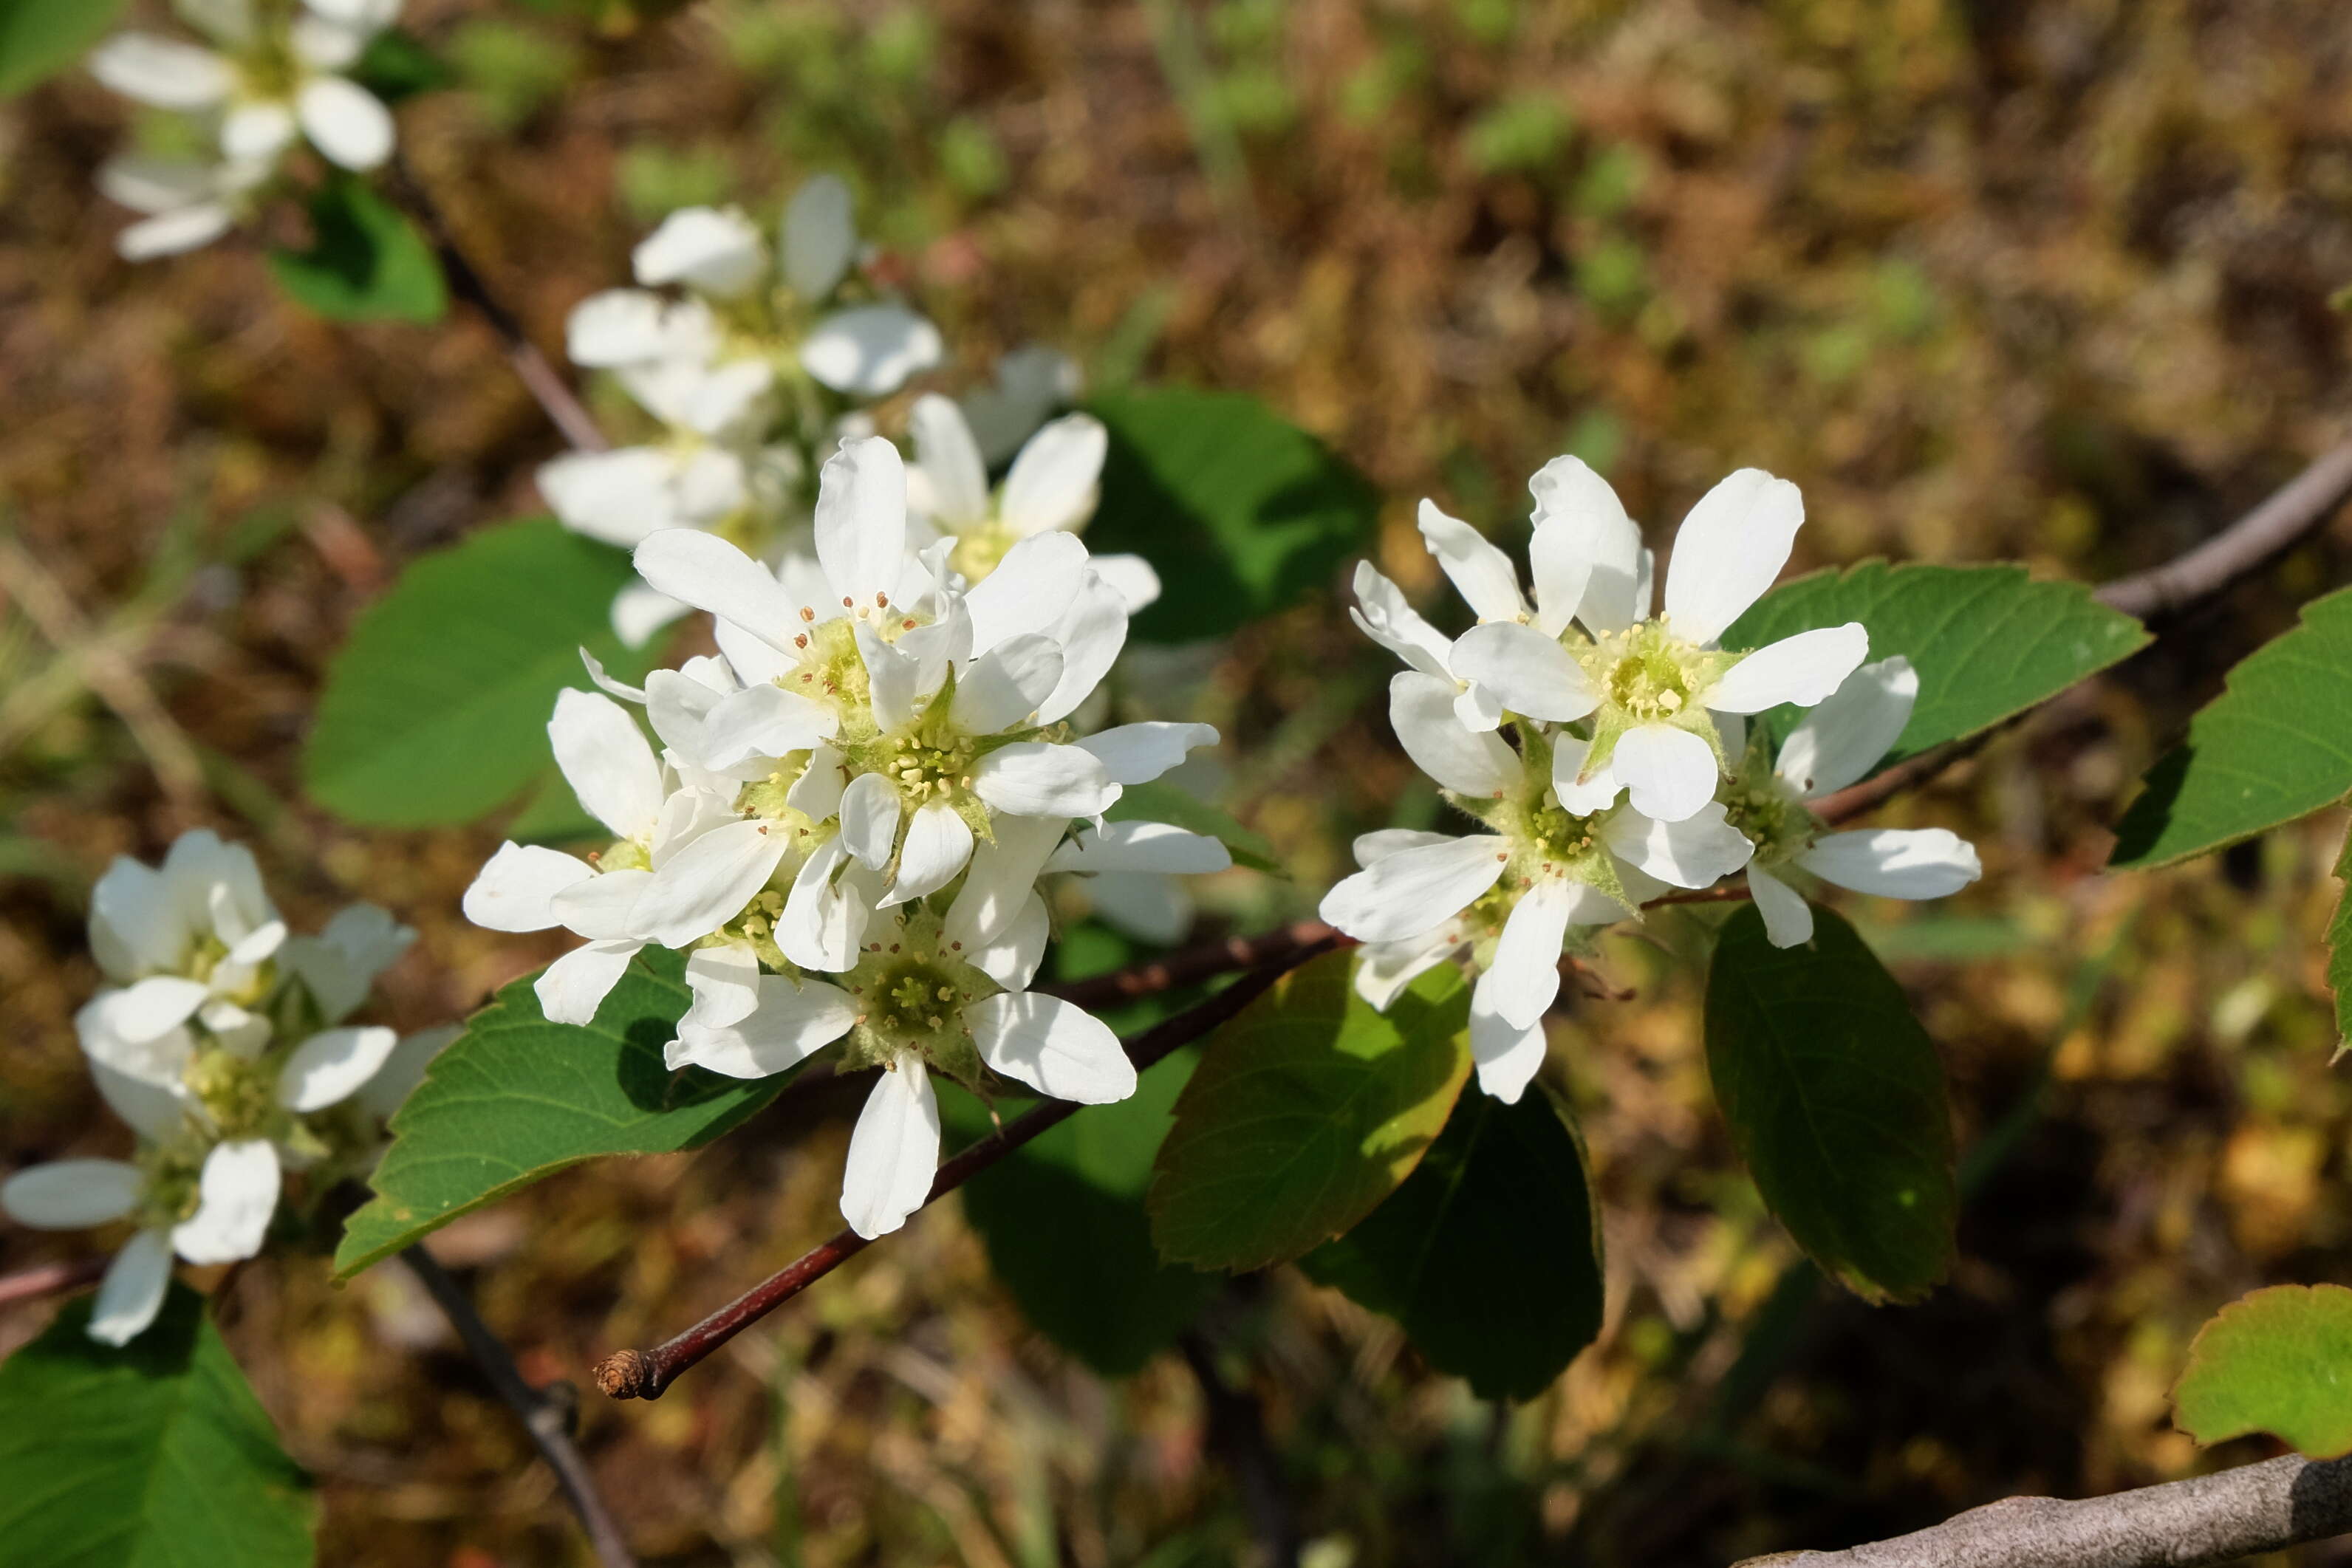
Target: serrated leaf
1309 1108
1063 1219
2274 746
435 711
2279 1361
1988 642
1163 802
39 38
154 1455
516 1099
1241 513
366 262
1835 1101
1489 1254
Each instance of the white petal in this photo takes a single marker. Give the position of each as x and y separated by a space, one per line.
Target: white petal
1002 872
1013 958
955 479
256 132
725 981
1696 851
1030 589
398 1078
154 1110
147 184
816 794
1131 578
67 1195
1580 795
132 1291
1848 731
1092 631
1895 862
825 914
154 1007
1523 977
512 891
1579 518
707 882
1728 551
1531 673
1139 753
169 234
1055 483
679 706
1421 710
575 985
345 121
223 21
894 681
790 1021
325 43
163 72
726 401
820 236
1382 614
366 16
1141 846
764 721
894 1152
133 924
1788 918
1508 1055
1034 778
1482 574
605 759
1384 969
1058 1048
618 327
1477 709
870 820
618 497
1003 687
871 352
938 844
754 660
1561 570
861 519
1803 669
1382 842
711 574
605 906
1668 773
238 1194
160 1061
717 252
1416 891
331 1065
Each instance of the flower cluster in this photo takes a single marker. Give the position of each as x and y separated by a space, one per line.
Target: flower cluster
850 812
222 1041
1605 751
270 79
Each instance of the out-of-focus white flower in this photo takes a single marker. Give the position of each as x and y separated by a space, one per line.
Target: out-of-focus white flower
1839 742
1031 382
188 203
1131 875
1646 686
271 75
195 935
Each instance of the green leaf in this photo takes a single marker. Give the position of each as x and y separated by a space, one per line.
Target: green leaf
1489 1254
1063 1219
156 1455
1307 1110
516 1099
1835 1101
1163 802
1241 513
366 262
39 38
2339 948
397 65
2279 1361
1987 641
435 711
2274 746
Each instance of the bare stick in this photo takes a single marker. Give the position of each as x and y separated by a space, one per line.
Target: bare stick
647 1373
50 1279
543 380
2293 510
2206 1520
547 1413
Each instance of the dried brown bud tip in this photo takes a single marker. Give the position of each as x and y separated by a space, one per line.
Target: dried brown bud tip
625 1375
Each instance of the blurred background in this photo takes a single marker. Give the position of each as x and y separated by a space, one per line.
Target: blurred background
2054 282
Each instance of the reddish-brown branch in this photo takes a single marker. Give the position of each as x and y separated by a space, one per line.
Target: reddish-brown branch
1193 965
50 1279
2291 511
647 1373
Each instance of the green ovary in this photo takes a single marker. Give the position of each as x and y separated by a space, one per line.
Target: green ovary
238 1094
911 988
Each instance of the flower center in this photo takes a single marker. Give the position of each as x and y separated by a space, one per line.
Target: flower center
239 1094
981 550
1646 672
911 988
1764 808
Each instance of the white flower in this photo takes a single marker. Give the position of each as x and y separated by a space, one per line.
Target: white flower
915 1002
188 203
1647 688
197 935
1839 742
1130 873
269 77
1560 855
